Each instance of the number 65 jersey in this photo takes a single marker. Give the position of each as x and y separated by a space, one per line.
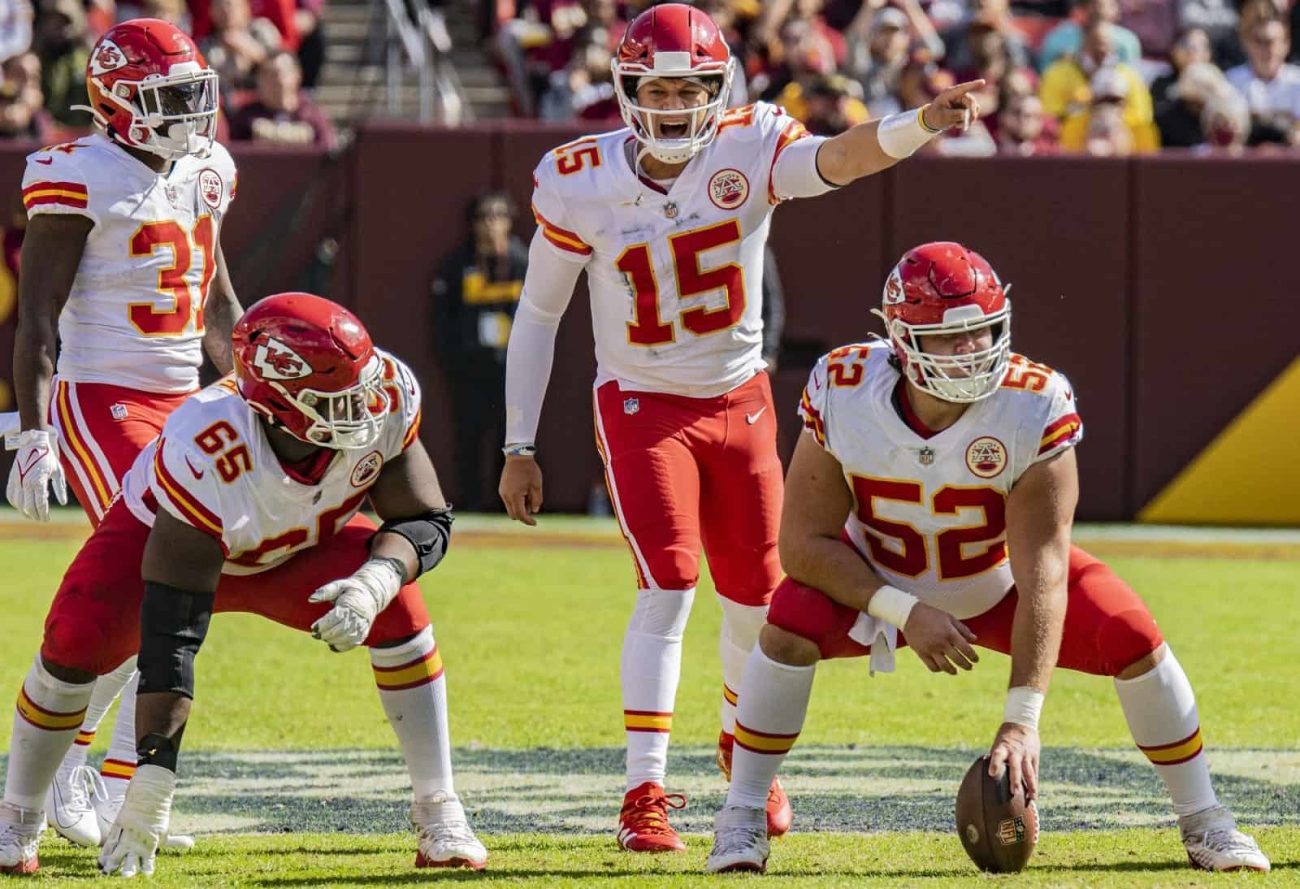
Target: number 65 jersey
134 316
929 511
213 468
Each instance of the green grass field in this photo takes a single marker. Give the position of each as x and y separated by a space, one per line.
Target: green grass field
291 778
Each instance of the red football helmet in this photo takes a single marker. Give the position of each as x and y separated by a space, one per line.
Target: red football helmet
944 288
150 88
308 365
673 40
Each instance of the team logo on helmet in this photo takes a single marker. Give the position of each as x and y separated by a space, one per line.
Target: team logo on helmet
728 189
276 361
210 187
894 289
367 469
986 457
107 58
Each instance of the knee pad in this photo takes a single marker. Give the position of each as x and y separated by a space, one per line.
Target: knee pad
661 612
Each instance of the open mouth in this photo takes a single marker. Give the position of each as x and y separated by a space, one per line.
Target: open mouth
674 130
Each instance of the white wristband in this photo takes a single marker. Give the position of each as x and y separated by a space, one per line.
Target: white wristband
891 604
901 134
1024 704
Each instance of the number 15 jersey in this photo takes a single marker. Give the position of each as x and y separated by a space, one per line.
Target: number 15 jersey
134 315
675 273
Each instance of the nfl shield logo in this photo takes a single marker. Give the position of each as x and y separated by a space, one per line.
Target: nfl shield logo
926 456
118 411
631 406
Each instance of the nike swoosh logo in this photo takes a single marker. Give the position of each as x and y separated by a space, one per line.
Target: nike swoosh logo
194 472
751 419
45 160
37 457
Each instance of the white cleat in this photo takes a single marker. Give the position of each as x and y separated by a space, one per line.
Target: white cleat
444 835
1214 843
739 841
20 836
70 804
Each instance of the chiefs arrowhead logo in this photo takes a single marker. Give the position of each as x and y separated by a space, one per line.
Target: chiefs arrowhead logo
210 188
276 361
107 58
894 289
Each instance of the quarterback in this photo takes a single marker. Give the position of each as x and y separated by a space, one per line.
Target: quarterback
248 501
122 264
929 504
669 217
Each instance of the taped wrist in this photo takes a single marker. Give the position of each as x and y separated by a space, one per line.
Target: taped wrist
430 534
900 135
173 623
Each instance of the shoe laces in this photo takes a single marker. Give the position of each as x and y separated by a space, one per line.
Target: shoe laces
648 814
738 829
442 820
84 785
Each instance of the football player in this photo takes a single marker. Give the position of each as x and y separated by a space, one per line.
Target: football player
929 504
669 218
122 263
248 501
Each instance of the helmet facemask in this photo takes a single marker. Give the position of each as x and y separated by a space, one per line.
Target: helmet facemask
344 420
646 122
172 115
961 379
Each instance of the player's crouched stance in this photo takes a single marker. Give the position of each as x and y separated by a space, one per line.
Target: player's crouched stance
248 502
930 504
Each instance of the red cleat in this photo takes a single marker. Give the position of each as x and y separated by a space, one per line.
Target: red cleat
780 816
643 824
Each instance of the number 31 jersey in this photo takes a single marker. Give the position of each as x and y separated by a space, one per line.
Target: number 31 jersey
134 316
213 468
675 274
929 513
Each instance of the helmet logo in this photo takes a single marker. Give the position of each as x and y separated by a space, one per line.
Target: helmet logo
276 361
986 457
107 58
728 189
894 289
210 188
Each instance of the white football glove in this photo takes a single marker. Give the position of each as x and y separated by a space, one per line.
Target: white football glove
357 602
141 823
36 466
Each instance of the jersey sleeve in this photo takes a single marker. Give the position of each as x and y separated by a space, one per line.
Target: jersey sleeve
1062 428
815 401
404 410
55 183
224 166
789 152
185 483
552 215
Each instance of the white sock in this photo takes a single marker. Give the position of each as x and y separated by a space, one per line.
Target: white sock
740 627
651 666
772 709
48 715
120 761
413 690
1160 708
106 690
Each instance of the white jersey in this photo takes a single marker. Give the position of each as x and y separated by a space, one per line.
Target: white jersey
213 468
134 316
675 274
929 512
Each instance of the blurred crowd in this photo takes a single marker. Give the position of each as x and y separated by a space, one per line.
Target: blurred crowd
1101 77
268 52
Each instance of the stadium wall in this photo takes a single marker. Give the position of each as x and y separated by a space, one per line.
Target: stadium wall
1165 287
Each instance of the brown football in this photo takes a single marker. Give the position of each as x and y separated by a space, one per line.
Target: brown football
997 829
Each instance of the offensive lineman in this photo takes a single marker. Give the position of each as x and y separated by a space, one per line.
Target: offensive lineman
669 217
929 503
248 502
122 262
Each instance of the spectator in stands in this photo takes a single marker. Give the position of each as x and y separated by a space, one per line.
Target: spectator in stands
1066 88
779 15
1226 123
281 112
827 104
22 111
1180 98
15 28
281 13
62 42
173 11
1111 91
1270 86
878 59
475 295
1217 19
968 44
1107 134
1021 127
991 57
1068 37
583 90
311 39
802 52
237 45
536 45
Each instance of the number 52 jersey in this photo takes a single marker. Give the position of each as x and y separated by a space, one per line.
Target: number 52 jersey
134 316
929 512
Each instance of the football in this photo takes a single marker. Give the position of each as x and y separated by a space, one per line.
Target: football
997 829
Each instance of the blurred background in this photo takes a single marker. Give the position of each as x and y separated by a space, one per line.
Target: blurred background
1134 178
